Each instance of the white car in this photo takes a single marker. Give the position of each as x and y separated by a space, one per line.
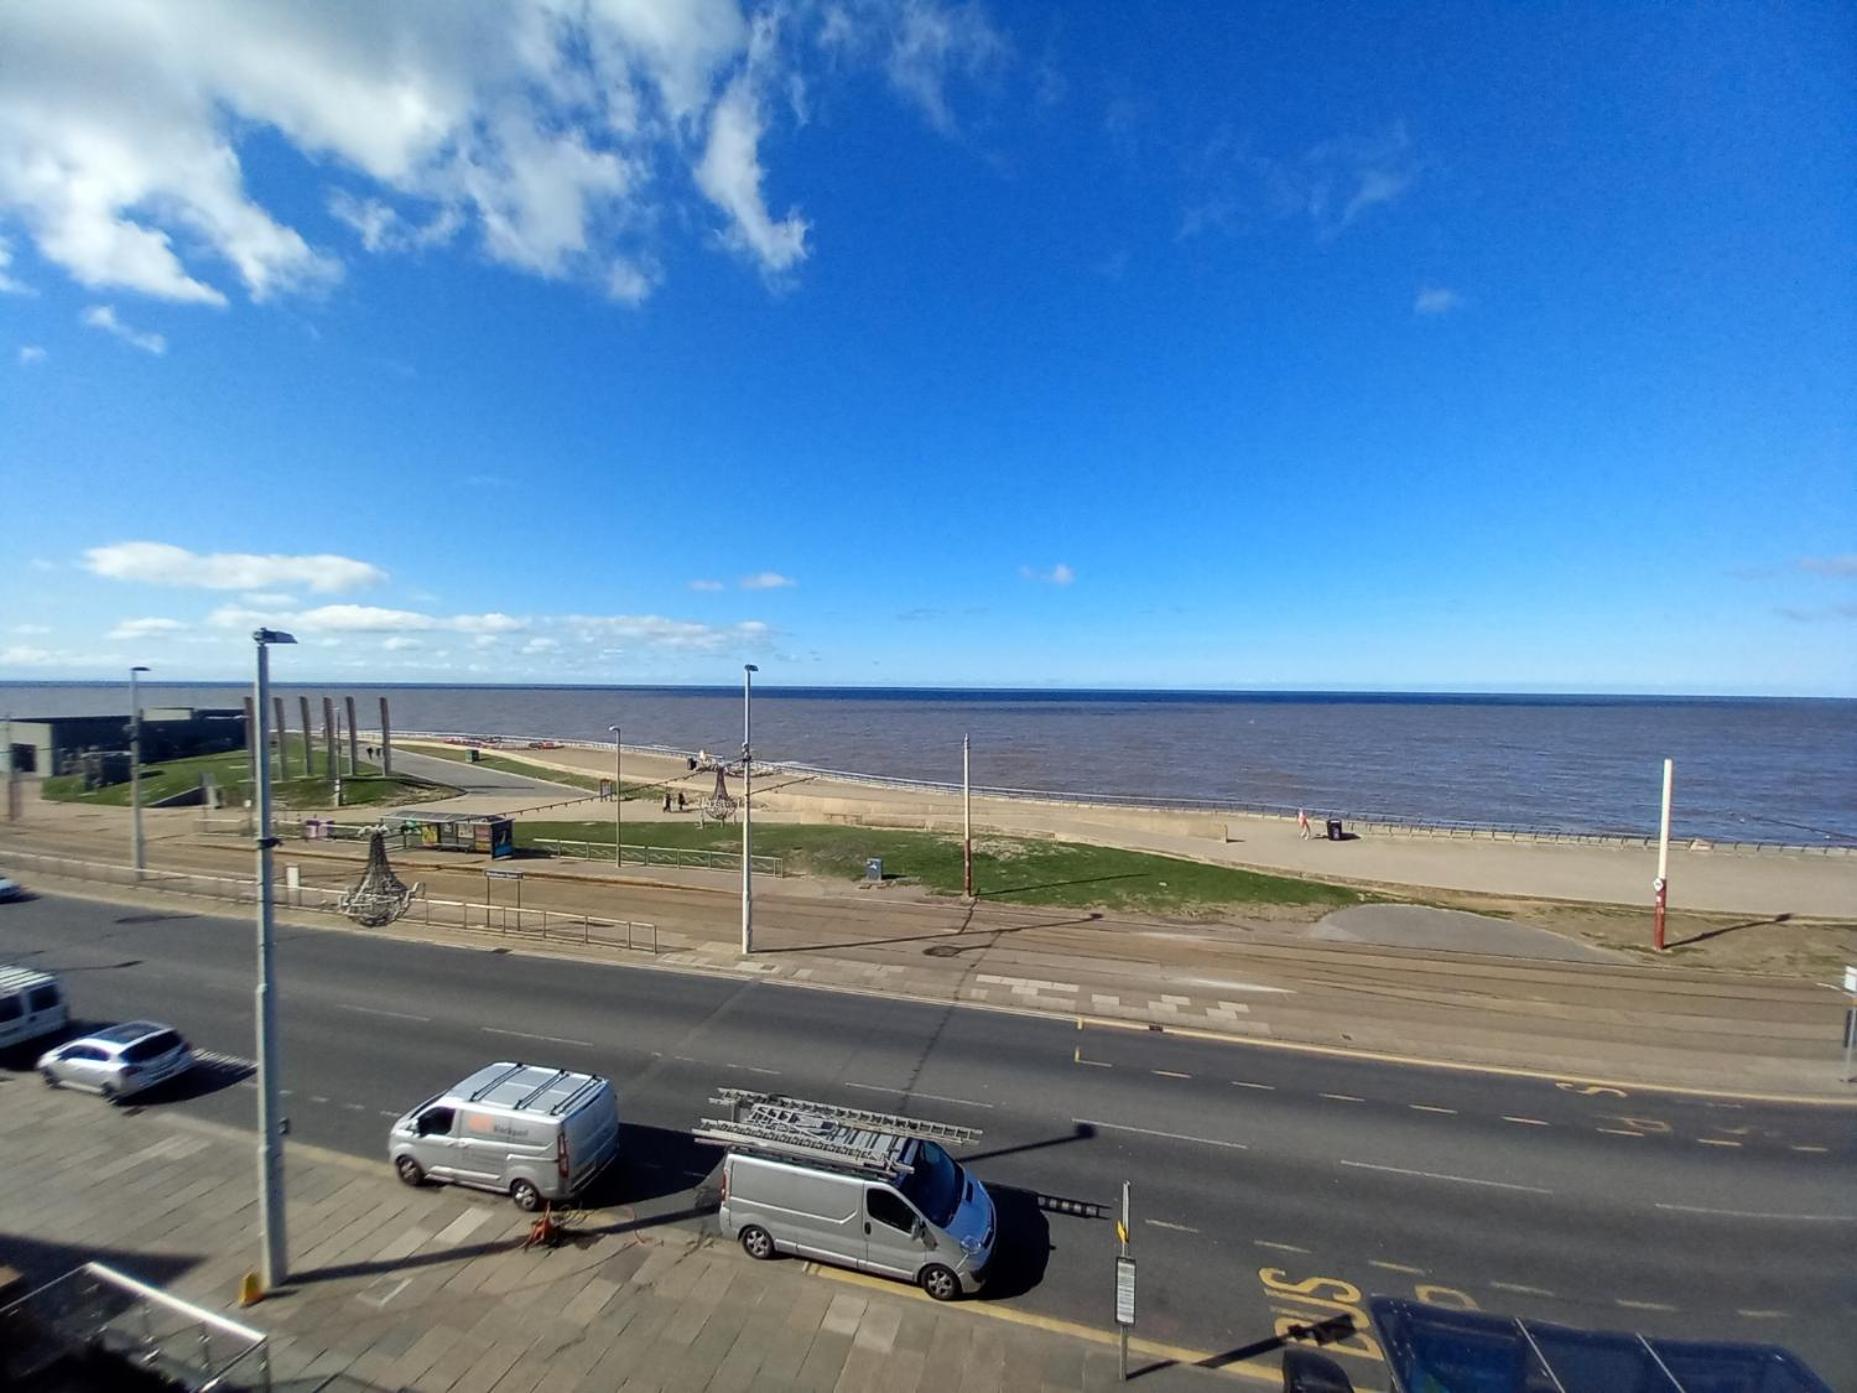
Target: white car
10 889
119 1061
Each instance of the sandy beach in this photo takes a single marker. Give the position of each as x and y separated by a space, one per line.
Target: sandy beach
1810 884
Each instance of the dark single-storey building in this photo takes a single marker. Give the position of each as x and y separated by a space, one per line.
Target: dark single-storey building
52 744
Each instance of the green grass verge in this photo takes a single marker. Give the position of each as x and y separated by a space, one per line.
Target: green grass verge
232 772
1012 870
508 764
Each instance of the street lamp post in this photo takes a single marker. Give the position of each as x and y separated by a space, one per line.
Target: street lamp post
137 850
274 1258
748 672
618 855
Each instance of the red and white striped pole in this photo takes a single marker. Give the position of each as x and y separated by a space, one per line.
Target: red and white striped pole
1661 886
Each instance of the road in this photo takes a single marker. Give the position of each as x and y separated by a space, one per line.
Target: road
1269 1186
474 778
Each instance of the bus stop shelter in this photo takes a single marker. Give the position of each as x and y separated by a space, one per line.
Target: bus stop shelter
484 835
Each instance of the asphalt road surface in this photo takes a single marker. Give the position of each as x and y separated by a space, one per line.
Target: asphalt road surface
1270 1187
474 778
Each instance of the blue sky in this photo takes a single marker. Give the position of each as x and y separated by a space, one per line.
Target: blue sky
1490 347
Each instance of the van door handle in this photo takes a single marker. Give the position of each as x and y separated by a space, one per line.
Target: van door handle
866 1226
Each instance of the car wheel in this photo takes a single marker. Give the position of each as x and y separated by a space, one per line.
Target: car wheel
757 1243
410 1171
940 1283
528 1199
109 1093
51 1079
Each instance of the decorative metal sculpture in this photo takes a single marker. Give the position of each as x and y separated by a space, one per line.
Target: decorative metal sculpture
721 805
379 897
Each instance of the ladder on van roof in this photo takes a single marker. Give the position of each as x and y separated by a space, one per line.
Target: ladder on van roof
803 1129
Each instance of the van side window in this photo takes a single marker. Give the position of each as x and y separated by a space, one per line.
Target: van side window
887 1208
435 1122
42 998
10 1009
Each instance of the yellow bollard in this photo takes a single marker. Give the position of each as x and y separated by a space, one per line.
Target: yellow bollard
251 1289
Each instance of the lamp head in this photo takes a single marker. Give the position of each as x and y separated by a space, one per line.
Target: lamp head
138 668
271 636
750 667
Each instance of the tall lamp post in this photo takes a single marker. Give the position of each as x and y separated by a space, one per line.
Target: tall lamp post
748 672
618 855
274 1259
137 851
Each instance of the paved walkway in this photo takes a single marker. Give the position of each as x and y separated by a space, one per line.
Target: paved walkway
430 1289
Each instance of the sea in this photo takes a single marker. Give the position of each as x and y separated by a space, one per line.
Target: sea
1767 770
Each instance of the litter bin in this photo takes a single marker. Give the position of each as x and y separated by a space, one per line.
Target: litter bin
873 868
1334 829
475 753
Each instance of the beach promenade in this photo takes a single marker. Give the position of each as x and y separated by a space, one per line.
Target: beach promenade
1803 883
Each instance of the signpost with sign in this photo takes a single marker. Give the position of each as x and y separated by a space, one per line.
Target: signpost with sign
503 875
1850 1022
1124 1281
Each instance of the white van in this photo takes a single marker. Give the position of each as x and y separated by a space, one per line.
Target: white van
528 1131
32 1004
866 1190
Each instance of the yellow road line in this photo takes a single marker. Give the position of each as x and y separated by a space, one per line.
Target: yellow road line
1459 1066
1150 1349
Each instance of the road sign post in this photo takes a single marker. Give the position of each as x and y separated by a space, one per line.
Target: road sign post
1850 1022
1124 1282
504 875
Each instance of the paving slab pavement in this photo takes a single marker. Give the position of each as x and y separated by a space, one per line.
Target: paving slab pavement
1454 931
432 1290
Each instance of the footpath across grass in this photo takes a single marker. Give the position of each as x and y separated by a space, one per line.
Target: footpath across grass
1012 870
231 771
509 764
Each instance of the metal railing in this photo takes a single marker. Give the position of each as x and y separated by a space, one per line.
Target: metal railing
507 921
632 854
95 1311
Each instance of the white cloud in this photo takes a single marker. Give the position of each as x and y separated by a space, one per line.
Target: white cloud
1845 565
540 645
768 580
655 631
24 655
1332 185
366 619
552 134
707 585
399 643
29 354
146 629
1436 299
730 177
268 600
31 630
104 317
1059 574
158 563
8 285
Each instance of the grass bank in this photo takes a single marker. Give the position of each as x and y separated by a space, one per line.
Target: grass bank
231 771
1013 870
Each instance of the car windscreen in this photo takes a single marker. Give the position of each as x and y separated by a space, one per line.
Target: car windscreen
934 1185
152 1047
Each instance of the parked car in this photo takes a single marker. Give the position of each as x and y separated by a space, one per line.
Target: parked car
120 1061
11 889
528 1131
32 1004
864 1190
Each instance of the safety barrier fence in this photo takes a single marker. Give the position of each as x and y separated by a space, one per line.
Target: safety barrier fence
96 1313
506 920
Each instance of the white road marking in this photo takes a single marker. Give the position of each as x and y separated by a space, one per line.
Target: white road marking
1280 1247
1525 1121
1170 1074
1816 1150
1524 1290
1455 1179
1755 1214
1641 1305
917 1093
1177 1228
372 1011
1396 1267
1266 1087
1170 1136
1427 1107
1715 1141
1617 1132
1343 1098
530 1035
1762 1315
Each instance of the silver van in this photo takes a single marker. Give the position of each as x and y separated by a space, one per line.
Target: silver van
867 1190
32 1004
529 1131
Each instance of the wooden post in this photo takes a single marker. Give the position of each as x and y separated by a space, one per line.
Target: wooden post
386 740
354 749
283 752
308 739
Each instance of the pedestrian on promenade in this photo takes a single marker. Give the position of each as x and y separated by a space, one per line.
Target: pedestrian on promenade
680 802
1302 822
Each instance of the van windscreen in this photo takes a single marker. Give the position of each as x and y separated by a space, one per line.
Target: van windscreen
934 1185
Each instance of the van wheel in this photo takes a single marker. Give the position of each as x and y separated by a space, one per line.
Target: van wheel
757 1243
528 1198
410 1171
940 1283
